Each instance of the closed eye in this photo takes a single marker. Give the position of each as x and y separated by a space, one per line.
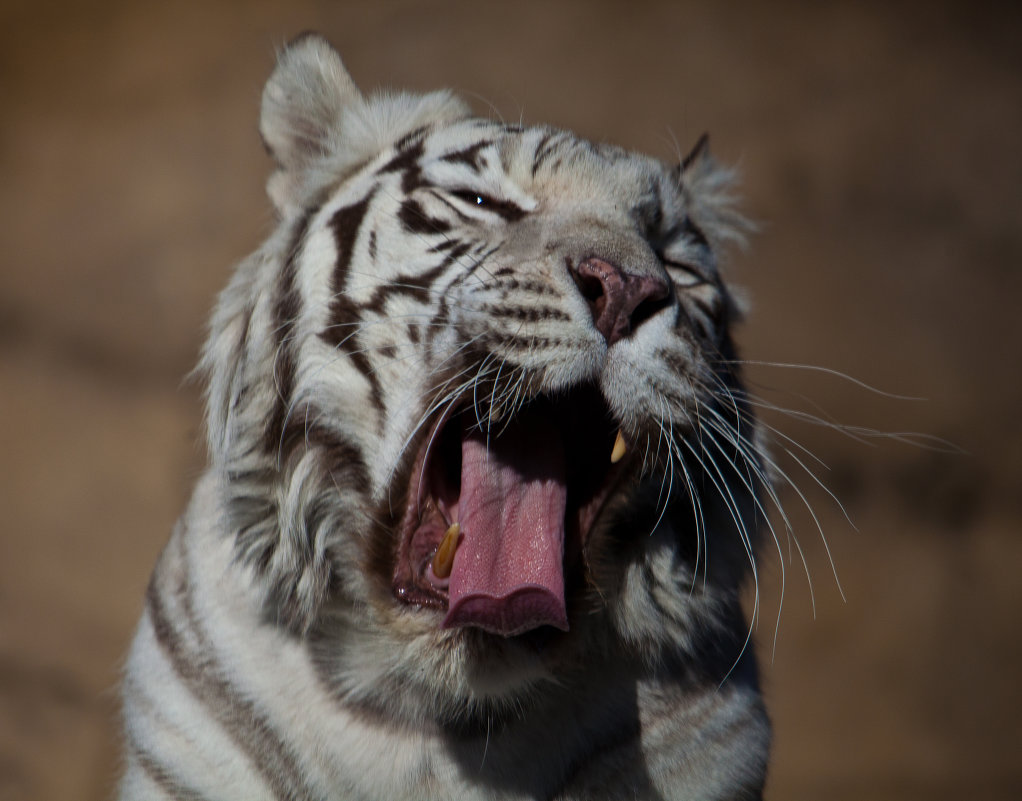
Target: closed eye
684 274
503 208
473 198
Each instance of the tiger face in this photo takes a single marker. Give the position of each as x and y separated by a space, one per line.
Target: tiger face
474 407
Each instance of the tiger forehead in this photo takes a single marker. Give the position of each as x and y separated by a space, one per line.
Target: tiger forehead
547 162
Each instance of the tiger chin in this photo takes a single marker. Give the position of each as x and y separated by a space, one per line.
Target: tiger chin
483 487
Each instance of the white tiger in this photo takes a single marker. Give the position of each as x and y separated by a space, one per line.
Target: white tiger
482 481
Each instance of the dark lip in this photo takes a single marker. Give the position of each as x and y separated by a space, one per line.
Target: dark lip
588 429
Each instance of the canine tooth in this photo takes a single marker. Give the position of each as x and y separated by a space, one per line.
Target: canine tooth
443 559
619 449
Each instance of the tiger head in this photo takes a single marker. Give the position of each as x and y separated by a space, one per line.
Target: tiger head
474 406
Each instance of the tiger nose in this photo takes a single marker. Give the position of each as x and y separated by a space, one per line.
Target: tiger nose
618 300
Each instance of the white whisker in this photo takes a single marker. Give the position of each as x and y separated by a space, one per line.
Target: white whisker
826 371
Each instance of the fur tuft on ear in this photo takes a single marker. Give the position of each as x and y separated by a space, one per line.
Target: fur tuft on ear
317 125
301 114
710 189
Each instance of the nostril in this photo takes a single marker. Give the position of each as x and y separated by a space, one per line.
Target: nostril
619 301
659 298
590 286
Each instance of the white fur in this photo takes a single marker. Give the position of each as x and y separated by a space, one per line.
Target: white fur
273 659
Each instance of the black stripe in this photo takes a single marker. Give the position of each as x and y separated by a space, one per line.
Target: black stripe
711 311
413 136
343 459
413 287
529 344
510 211
410 150
342 334
527 314
480 261
437 326
543 149
695 272
285 314
649 583
447 244
469 155
161 777
418 287
256 537
243 338
344 314
237 715
524 285
505 208
440 196
234 398
346 223
415 220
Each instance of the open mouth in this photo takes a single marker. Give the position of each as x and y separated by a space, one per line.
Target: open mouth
498 515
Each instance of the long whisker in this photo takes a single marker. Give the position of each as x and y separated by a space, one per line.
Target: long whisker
860 434
823 538
449 396
733 437
729 502
667 480
781 473
826 371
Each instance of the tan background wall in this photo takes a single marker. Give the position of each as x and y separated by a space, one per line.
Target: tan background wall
880 145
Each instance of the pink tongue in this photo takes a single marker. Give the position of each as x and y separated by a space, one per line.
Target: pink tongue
508 574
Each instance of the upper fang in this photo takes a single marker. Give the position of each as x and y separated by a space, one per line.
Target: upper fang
619 448
443 560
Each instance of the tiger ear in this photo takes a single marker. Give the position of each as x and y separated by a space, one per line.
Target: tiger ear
700 151
301 114
710 188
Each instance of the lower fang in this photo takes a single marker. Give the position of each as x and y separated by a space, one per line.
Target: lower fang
443 560
619 449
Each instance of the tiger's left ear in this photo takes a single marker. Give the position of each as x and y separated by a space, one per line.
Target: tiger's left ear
709 189
700 151
301 115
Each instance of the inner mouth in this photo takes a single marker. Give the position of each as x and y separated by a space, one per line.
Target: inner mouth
499 512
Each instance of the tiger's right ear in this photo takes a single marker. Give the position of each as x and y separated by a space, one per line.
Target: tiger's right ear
301 115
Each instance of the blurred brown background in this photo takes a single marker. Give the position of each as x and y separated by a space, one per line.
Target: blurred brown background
881 148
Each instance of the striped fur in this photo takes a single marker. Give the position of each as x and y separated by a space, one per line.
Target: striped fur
429 267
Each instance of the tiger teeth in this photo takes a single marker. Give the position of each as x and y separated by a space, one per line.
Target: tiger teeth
619 449
443 559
